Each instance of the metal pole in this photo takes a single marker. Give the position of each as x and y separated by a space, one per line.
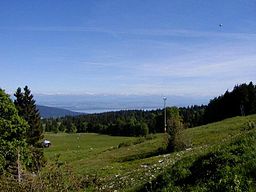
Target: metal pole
165 125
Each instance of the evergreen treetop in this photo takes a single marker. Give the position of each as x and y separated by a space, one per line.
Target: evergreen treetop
26 106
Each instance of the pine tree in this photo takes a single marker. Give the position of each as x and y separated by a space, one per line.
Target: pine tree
26 107
25 104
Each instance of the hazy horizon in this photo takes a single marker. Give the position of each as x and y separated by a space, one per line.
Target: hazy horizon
103 103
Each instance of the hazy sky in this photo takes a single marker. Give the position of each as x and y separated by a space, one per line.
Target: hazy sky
144 47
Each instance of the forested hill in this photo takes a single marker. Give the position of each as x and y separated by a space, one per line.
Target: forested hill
240 101
48 112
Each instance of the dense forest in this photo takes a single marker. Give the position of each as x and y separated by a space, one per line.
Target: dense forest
240 101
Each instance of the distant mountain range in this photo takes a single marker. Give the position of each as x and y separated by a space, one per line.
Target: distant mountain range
102 103
47 112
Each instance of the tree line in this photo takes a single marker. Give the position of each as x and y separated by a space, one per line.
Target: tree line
240 101
124 122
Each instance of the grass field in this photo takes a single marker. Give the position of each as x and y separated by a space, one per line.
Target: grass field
122 163
215 133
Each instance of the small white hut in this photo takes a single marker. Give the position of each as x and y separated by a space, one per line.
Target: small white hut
46 143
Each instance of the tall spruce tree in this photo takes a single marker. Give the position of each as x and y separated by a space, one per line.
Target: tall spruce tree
26 106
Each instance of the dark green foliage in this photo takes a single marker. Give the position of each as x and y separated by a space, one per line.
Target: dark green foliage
240 101
62 127
174 129
55 126
37 159
127 125
192 115
26 107
12 134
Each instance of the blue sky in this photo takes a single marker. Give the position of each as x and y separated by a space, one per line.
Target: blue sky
127 47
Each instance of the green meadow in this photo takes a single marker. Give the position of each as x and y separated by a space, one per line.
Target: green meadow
125 163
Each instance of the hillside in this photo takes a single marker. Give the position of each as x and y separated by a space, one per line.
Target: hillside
47 112
226 161
138 164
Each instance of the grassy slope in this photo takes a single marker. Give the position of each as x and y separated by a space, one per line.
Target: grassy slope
227 165
217 132
130 166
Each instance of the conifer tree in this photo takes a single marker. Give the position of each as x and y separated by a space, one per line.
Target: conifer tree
26 107
25 104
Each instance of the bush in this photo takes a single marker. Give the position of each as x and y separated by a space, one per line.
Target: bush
54 178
